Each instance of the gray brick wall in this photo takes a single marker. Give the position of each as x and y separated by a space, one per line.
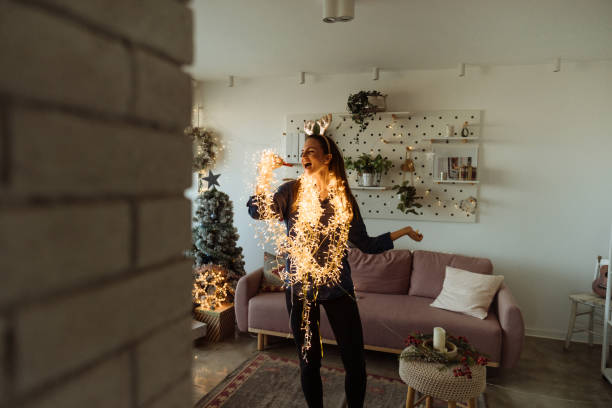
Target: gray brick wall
95 294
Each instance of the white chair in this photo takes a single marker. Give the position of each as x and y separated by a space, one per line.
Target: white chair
594 304
606 371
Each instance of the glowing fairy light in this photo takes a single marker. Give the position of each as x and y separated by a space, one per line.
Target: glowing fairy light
311 266
210 287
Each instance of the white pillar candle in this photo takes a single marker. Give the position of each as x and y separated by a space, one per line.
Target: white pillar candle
439 339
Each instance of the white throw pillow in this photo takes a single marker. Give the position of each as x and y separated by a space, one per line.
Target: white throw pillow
467 292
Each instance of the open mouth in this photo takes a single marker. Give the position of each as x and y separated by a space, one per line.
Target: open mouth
307 165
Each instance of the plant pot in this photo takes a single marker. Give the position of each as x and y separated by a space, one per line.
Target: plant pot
367 179
379 101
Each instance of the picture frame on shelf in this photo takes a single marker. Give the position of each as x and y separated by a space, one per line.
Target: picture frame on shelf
455 163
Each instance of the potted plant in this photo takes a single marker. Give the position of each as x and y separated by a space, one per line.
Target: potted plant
407 195
368 168
363 105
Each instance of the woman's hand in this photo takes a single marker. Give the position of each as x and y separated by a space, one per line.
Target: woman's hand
415 235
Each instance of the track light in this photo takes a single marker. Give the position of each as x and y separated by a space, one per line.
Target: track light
330 8
338 10
346 10
375 74
557 65
462 69
230 81
302 78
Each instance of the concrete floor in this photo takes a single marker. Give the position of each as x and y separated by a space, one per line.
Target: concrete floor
545 376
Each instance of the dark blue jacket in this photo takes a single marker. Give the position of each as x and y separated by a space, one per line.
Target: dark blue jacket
358 236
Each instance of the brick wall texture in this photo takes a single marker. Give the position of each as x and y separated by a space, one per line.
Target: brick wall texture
95 294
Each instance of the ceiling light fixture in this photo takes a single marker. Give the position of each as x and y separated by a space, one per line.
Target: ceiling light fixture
338 10
375 74
462 69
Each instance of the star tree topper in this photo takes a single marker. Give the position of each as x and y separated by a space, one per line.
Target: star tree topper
211 179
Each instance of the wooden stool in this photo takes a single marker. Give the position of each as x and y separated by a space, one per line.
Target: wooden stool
411 403
594 303
429 380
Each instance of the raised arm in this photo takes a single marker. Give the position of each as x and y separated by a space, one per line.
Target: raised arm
265 204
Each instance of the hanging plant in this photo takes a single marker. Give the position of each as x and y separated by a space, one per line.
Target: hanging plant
205 148
361 108
408 198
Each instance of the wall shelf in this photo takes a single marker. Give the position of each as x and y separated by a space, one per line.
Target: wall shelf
417 129
379 188
451 139
472 182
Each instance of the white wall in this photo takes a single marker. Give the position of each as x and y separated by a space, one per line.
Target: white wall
546 191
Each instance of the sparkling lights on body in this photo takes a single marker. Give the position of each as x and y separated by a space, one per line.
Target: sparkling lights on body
315 248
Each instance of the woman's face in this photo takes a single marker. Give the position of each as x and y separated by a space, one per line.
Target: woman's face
313 158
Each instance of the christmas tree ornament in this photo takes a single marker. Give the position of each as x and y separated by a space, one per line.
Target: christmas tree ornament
211 179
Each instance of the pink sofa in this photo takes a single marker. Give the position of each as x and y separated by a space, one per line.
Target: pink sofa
394 290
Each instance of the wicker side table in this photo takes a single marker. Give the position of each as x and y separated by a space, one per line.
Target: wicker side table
429 380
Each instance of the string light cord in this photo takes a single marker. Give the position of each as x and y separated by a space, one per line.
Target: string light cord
312 266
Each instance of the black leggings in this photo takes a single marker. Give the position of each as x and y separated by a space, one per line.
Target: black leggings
343 316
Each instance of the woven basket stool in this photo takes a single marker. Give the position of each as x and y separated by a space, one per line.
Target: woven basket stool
429 380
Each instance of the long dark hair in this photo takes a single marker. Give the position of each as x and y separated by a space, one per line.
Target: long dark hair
336 166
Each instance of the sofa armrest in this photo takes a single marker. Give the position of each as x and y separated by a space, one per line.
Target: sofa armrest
512 325
247 287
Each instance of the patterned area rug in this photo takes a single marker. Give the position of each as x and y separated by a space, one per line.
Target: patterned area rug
271 381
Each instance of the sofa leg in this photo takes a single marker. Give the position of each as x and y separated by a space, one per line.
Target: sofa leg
261 341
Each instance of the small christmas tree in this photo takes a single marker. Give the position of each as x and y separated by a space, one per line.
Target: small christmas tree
214 243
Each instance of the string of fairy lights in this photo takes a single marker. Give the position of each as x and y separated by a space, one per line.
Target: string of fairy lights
311 266
210 287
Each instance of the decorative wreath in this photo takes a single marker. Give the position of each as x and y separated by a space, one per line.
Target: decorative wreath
205 147
419 348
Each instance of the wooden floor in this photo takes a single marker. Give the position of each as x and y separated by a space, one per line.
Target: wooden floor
546 376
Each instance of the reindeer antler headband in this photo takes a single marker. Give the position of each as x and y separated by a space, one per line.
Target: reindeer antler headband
323 123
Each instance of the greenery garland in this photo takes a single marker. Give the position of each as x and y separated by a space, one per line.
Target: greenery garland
205 147
467 355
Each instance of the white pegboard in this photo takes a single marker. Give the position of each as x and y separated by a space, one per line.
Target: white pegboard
402 129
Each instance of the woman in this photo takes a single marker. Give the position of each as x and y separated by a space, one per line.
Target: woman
322 161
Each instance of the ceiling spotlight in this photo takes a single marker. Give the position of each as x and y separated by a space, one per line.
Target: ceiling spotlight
462 69
338 10
346 10
330 9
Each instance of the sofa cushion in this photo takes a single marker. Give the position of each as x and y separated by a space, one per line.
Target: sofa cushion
273 267
429 268
467 292
268 311
388 319
388 272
